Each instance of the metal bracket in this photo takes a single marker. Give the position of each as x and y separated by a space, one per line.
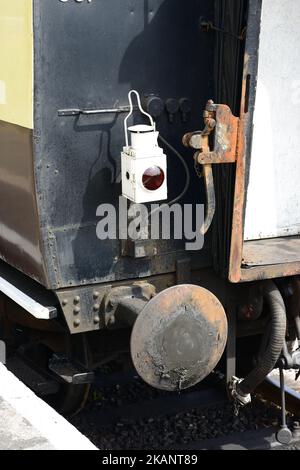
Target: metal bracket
183 271
123 304
206 26
234 393
217 118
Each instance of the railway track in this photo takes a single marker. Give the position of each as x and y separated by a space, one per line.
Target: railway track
158 407
263 439
130 415
270 391
123 411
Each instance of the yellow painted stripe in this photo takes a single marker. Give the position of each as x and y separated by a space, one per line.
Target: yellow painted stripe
16 62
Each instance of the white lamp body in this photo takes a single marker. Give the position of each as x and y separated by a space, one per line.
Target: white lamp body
143 153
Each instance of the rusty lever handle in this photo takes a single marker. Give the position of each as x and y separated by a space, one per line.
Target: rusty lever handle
217 118
210 198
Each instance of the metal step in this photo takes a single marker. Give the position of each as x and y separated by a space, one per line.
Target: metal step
69 372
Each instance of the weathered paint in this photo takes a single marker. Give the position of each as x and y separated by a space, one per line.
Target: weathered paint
16 59
217 118
244 141
241 268
272 208
179 337
55 176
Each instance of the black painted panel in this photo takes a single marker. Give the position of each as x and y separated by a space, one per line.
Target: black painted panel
89 55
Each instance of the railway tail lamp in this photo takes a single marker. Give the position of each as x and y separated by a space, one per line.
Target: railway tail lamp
144 164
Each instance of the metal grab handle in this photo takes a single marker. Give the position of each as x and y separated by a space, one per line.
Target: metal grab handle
210 198
199 140
131 111
92 112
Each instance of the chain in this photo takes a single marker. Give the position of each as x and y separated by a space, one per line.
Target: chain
236 408
198 169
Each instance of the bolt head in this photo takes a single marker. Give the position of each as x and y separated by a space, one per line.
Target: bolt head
77 323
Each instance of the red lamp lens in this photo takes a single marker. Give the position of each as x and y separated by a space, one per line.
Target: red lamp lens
153 178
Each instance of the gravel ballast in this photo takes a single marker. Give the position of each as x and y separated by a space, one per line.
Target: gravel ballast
168 431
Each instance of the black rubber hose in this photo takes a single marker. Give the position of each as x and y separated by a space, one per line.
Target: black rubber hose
277 337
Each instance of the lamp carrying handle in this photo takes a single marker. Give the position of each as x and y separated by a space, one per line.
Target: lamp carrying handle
131 111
